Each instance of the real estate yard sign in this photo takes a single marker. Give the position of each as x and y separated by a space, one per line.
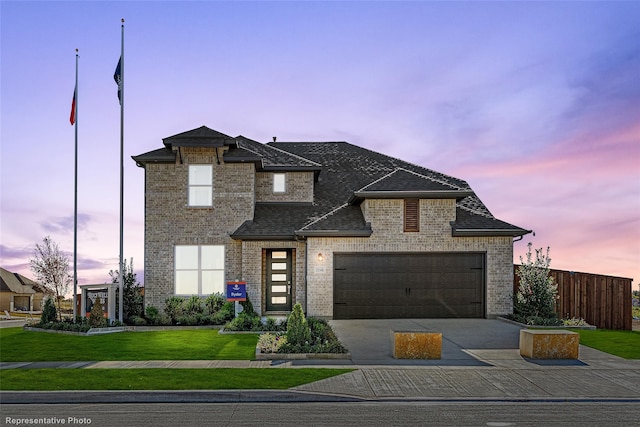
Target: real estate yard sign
236 291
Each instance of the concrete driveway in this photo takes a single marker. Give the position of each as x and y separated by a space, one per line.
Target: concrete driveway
465 342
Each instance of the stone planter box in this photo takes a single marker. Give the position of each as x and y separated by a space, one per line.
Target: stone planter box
416 345
549 344
300 356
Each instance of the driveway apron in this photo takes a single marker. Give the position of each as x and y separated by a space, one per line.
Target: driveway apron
369 341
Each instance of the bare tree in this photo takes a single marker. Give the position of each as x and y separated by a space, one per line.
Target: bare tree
51 267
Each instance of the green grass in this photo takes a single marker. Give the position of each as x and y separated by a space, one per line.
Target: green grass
17 345
624 344
161 379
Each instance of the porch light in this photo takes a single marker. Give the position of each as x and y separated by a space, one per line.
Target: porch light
320 257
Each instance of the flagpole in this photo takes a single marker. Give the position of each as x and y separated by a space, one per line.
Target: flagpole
121 272
75 202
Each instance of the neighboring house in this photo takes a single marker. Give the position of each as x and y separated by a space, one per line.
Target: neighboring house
342 230
19 293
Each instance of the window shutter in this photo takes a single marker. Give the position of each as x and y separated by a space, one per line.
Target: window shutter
412 215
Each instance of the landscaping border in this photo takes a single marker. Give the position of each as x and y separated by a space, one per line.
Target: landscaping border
513 322
301 356
114 329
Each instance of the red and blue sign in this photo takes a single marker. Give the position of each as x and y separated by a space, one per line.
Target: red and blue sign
236 291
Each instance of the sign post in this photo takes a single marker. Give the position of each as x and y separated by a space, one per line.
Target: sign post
237 291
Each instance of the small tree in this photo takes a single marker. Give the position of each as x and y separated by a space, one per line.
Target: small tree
537 293
96 317
51 267
49 312
131 296
298 332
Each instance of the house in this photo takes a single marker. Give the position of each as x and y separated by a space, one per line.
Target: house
19 293
344 231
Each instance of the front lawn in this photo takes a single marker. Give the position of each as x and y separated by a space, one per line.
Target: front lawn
161 379
624 344
202 344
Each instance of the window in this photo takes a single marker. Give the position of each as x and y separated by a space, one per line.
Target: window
279 183
200 185
199 270
412 215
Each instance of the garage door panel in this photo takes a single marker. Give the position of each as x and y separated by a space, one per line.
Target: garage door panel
408 285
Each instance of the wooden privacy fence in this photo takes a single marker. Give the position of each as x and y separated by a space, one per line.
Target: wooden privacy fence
602 301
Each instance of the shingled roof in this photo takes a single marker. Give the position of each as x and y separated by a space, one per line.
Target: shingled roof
345 174
351 174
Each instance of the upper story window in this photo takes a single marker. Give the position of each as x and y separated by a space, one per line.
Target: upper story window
200 185
412 215
279 182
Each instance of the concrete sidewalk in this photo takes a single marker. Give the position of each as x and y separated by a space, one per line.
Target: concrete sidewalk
504 375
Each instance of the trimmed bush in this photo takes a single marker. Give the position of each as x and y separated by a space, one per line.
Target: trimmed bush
298 332
49 312
96 318
245 322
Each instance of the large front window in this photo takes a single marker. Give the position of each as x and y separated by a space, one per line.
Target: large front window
199 270
200 185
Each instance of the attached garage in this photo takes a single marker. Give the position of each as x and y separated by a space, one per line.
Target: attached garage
409 285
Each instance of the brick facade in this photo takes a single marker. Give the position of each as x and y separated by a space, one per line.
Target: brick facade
237 187
298 187
386 218
170 222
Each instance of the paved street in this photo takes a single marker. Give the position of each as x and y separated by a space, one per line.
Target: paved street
411 413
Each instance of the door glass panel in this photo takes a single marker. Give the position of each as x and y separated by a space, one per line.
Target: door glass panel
278 277
278 300
278 265
279 288
279 255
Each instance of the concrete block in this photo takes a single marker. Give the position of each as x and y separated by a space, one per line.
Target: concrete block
416 345
549 344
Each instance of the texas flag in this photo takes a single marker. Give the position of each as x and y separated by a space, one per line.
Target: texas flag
72 118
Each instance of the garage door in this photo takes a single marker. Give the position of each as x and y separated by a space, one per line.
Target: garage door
408 285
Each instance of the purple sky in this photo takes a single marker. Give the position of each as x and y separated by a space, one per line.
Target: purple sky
536 105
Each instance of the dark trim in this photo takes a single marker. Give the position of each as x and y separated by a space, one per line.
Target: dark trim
427 194
456 232
277 168
334 233
287 237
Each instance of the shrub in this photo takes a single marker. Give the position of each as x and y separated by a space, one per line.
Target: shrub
214 303
152 314
137 321
173 308
298 332
272 325
245 322
193 305
49 312
187 320
537 293
247 307
96 317
223 315
574 321
320 330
